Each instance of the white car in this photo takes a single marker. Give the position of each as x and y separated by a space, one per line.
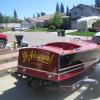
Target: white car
15 28
24 28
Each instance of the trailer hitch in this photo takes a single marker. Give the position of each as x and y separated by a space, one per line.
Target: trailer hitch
89 83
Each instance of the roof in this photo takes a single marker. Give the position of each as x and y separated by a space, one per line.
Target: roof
88 18
43 18
89 6
46 17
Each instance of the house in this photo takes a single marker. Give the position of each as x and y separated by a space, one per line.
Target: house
86 22
82 10
40 21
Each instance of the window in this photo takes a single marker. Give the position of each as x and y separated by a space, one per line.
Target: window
98 12
75 13
93 11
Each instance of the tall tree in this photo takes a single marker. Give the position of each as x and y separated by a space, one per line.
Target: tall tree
33 15
38 15
15 15
1 18
62 8
67 11
42 13
57 8
97 3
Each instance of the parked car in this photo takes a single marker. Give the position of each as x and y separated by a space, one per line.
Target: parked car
24 28
15 28
3 40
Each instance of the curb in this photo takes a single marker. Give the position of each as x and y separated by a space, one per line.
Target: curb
8 60
4 69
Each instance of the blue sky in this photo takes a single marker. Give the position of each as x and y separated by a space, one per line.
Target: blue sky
26 8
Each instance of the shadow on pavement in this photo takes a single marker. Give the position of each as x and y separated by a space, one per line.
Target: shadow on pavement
23 92
89 94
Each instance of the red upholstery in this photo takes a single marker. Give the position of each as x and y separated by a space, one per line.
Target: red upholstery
63 45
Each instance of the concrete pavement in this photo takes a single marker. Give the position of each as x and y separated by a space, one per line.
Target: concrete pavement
16 90
38 38
12 89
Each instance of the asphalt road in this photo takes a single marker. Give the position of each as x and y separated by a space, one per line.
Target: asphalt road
11 89
38 38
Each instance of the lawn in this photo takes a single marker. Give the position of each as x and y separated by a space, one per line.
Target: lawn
5 30
41 30
82 33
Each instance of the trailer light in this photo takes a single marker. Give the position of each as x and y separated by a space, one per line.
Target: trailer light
19 75
78 85
24 76
74 87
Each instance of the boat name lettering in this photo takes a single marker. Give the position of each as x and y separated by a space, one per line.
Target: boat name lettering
28 56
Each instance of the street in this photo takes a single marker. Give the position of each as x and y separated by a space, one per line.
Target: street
38 38
12 89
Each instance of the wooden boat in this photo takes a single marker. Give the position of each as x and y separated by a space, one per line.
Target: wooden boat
60 63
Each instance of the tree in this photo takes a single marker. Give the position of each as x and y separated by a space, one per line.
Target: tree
67 11
57 8
15 16
43 14
38 15
6 20
56 21
1 18
33 15
97 3
62 8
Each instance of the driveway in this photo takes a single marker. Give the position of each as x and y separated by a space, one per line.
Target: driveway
12 89
38 38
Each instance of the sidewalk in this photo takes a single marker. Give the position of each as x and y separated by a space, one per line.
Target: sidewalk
8 60
69 31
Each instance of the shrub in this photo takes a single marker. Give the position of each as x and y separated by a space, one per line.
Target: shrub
2 27
52 27
56 20
92 30
95 29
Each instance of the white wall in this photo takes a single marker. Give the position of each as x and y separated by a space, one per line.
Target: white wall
10 25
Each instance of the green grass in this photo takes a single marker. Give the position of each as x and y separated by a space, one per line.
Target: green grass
41 30
5 30
82 33
37 29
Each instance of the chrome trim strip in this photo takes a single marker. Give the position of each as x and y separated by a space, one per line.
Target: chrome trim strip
76 65
60 70
50 72
38 70
70 70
